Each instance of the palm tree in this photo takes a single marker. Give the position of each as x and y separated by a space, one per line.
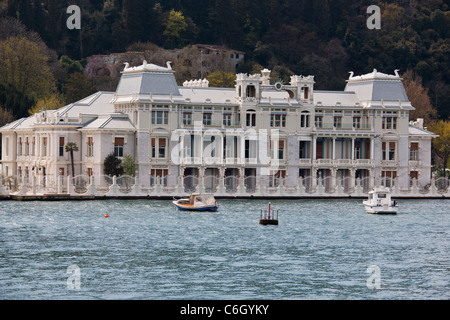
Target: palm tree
71 147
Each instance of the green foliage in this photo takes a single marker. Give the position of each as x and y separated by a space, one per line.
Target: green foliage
175 27
441 144
78 87
71 147
128 165
111 165
324 38
25 75
221 79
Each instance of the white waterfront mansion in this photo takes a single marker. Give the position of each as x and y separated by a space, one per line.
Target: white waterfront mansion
257 139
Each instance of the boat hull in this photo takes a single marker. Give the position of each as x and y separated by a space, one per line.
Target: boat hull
381 209
192 208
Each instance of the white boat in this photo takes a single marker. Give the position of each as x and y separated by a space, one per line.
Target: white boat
197 202
379 201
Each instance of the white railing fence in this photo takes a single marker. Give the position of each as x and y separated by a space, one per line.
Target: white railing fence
236 186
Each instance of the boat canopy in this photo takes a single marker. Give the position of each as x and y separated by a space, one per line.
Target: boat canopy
207 199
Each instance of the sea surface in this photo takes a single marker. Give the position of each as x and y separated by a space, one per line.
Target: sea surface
147 249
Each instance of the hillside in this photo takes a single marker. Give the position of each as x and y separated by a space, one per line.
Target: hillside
324 38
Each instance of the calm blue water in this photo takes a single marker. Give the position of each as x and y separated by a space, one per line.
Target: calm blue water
147 249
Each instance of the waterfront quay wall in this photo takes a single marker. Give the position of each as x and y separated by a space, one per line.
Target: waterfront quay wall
127 187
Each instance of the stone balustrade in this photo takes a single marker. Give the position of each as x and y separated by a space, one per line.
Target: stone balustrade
242 187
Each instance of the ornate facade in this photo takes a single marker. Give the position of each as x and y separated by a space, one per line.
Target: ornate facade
289 139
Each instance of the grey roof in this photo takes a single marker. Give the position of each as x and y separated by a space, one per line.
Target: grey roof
415 131
376 90
111 122
97 103
330 98
146 83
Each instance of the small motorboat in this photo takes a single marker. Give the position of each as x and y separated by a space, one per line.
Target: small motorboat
197 202
379 201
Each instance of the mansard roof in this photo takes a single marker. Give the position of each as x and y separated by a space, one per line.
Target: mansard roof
377 86
146 79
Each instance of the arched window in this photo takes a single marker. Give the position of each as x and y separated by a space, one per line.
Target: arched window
304 119
250 118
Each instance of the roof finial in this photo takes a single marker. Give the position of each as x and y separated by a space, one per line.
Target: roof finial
168 65
396 72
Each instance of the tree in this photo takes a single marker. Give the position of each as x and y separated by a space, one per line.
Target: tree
71 147
78 87
24 71
441 145
129 169
6 116
175 27
221 79
128 165
111 165
418 95
51 102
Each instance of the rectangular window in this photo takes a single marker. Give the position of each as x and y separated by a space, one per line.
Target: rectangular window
160 174
277 149
304 121
207 119
27 146
281 149
162 148
357 122
414 151
318 122
251 119
187 118
61 146
274 178
44 147
19 147
387 178
338 122
160 117
388 150
277 120
303 150
159 148
227 119
89 172
389 122
118 146
391 150
357 150
90 146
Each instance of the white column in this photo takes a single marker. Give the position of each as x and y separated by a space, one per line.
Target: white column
353 148
334 148
314 147
372 147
